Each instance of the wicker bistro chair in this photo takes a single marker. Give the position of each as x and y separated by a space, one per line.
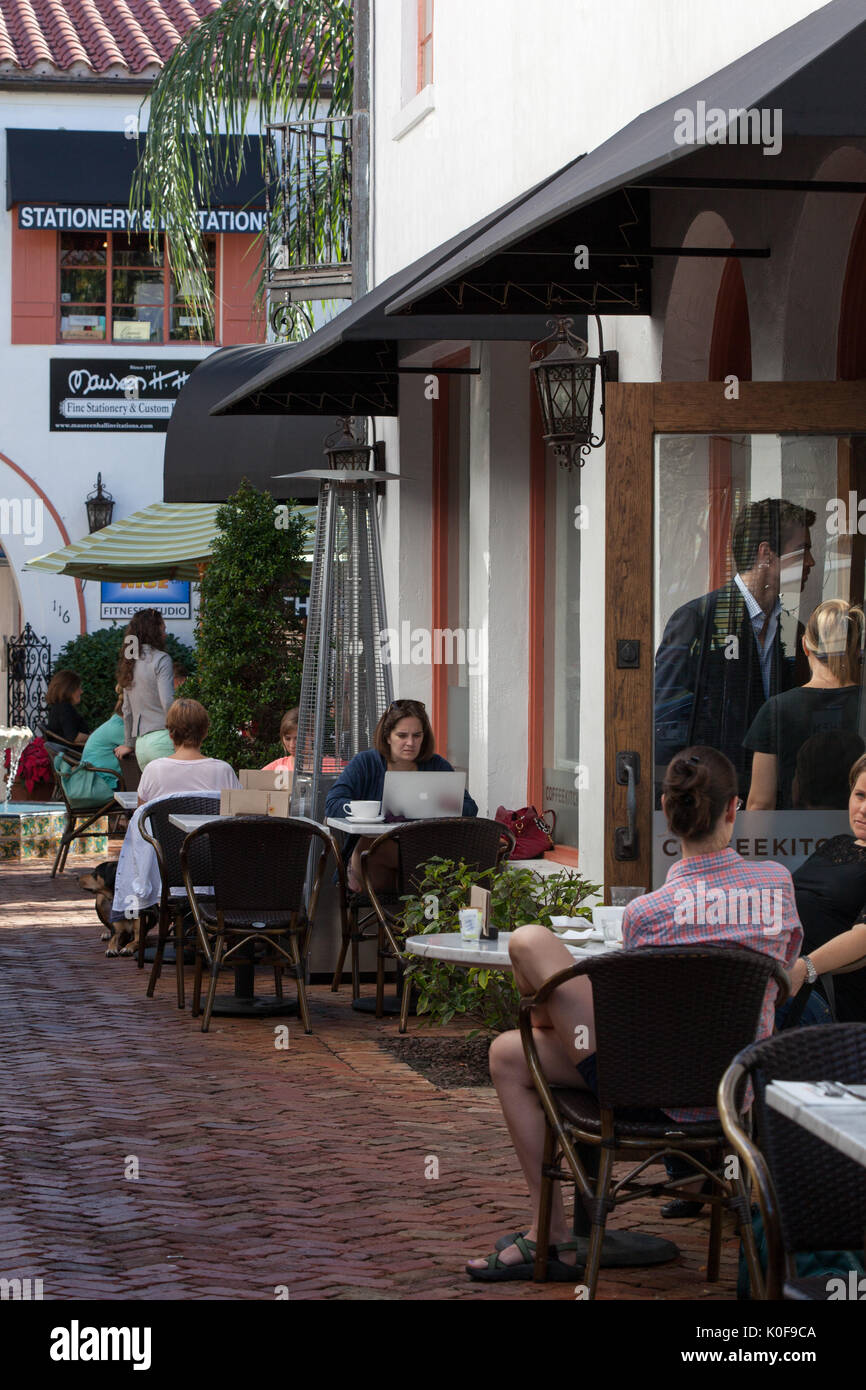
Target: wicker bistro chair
480 843
810 1196
61 744
259 877
667 1022
174 907
79 818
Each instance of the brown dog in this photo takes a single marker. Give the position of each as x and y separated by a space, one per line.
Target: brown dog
117 934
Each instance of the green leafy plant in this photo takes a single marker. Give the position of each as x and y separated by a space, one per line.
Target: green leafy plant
517 896
249 638
246 65
95 655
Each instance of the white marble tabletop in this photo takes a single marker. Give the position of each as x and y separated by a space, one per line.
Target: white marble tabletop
839 1120
190 823
128 800
449 946
363 827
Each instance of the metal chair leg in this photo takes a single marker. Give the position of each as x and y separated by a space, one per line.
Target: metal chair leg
404 1002
596 1237
545 1203
196 983
219 947
178 959
714 1253
162 937
380 972
302 989
341 961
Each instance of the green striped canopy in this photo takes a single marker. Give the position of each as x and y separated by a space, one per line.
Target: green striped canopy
168 540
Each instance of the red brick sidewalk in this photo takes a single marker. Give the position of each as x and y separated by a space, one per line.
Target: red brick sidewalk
258 1168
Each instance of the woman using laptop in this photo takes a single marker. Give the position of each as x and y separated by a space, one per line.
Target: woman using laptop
403 742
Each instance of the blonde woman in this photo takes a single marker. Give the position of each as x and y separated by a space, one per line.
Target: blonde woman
833 642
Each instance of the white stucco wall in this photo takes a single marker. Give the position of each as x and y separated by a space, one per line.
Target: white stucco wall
516 95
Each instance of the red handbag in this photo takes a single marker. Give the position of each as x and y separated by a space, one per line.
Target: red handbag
531 832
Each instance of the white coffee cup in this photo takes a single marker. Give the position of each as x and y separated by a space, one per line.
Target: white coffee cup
361 810
609 919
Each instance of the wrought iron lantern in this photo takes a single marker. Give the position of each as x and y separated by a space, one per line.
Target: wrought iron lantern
345 453
100 505
565 378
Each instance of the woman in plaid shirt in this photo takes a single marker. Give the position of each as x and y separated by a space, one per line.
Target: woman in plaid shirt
712 897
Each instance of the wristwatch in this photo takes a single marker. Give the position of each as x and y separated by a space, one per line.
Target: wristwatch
811 972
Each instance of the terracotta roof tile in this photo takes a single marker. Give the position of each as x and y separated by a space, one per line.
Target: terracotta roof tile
99 36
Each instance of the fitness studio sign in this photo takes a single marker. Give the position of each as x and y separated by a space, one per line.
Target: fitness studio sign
122 600
115 393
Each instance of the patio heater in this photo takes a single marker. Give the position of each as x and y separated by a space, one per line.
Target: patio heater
345 685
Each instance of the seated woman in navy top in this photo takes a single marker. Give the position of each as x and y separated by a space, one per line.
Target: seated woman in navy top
403 742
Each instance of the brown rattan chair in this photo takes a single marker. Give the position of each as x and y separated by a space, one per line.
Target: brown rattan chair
260 868
810 1196
61 744
479 842
174 909
667 1022
79 817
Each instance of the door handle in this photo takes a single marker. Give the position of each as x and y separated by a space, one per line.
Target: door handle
625 842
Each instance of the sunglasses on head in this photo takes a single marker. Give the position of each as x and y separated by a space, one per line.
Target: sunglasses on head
405 704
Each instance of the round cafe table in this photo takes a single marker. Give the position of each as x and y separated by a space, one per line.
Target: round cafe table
620 1249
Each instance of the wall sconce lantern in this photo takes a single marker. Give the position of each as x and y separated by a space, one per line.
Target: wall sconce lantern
346 453
100 505
565 377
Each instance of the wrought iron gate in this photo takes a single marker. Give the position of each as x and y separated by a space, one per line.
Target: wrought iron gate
28 671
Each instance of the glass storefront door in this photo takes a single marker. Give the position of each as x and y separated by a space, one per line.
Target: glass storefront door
758 545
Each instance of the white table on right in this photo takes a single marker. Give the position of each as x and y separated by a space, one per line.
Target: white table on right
839 1120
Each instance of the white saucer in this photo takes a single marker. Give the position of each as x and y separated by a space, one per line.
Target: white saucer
364 820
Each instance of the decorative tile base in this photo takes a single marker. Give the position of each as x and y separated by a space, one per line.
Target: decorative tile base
33 830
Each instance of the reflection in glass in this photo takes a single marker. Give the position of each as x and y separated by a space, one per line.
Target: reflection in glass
760 568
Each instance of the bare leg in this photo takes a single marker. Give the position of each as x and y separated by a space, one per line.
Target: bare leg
381 868
564 1035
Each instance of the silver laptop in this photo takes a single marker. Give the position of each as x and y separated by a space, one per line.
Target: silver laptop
423 795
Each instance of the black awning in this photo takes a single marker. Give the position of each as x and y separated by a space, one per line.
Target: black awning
206 459
812 72
351 365
95 167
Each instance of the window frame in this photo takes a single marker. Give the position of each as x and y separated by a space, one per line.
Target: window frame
109 340
423 41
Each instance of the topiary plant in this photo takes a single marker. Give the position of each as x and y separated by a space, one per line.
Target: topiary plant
94 656
249 637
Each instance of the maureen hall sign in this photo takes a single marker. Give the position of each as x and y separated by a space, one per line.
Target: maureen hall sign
96 393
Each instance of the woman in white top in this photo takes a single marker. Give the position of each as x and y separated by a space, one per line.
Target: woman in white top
186 770
137 884
146 674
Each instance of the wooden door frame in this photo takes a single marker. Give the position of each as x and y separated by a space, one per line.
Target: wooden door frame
635 412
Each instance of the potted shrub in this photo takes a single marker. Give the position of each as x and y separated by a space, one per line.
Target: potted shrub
35 780
517 896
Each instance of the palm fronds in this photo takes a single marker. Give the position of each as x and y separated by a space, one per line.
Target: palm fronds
251 61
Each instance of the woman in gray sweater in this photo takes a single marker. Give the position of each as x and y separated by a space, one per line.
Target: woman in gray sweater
146 674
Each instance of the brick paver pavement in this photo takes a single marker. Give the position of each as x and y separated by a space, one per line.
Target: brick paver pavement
258 1167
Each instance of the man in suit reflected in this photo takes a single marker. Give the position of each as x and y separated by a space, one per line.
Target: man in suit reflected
721 656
